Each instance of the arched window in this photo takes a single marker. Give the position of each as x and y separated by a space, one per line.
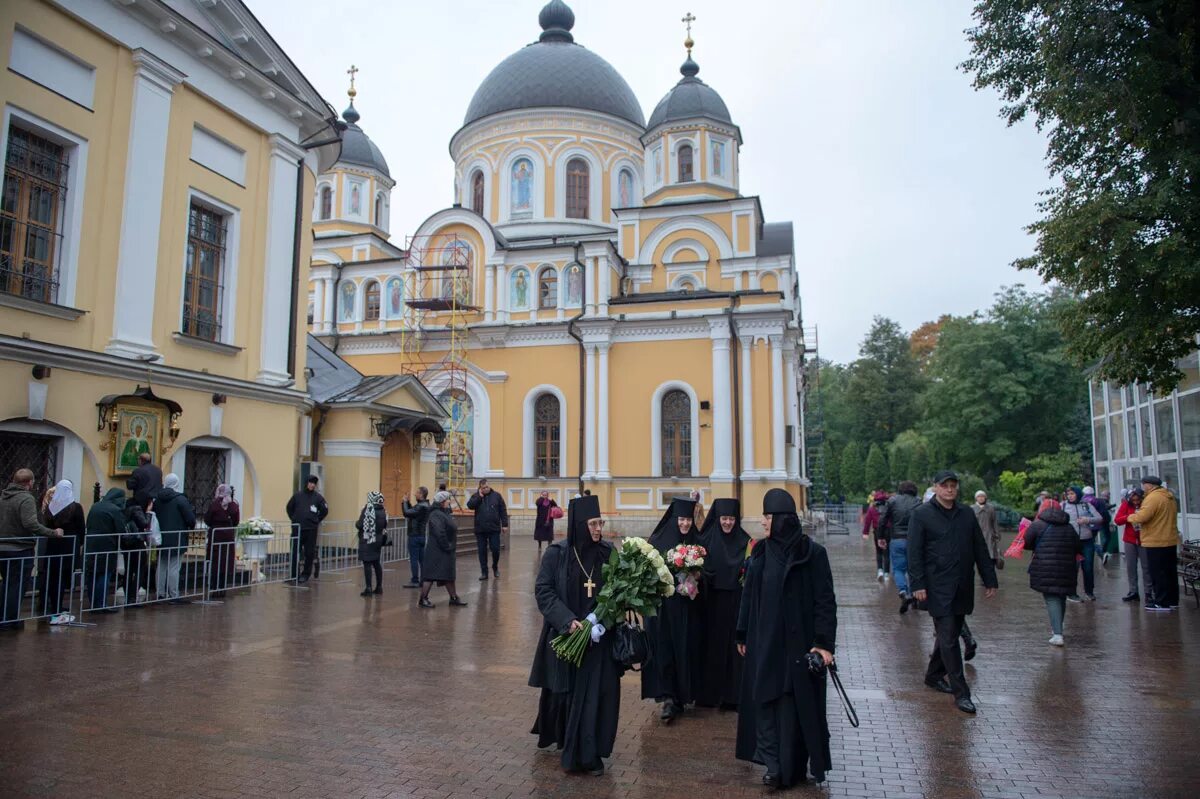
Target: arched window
676 434
685 163
371 306
477 193
548 288
686 285
546 436
379 210
326 202
577 189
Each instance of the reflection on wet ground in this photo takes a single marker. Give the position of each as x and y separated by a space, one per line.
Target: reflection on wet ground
322 693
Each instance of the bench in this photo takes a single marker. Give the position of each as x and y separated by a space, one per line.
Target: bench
1189 568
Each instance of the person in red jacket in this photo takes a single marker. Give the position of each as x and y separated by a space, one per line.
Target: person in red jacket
872 520
1131 536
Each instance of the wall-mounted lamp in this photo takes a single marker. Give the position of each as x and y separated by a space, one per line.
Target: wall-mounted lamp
379 425
218 399
41 372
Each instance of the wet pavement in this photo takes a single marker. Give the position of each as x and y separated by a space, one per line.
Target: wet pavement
321 693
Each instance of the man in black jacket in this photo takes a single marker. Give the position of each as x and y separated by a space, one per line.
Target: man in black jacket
896 517
418 519
491 519
945 547
145 481
306 509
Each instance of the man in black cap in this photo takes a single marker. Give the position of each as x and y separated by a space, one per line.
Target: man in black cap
945 547
579 707
306 509
672 674
788 616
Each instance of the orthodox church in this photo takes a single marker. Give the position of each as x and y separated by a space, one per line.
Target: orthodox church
600 307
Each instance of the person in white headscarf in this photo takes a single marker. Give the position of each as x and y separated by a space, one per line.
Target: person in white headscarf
371 526
176 519
54 575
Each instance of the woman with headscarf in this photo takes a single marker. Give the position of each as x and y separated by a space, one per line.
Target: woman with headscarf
543 525
371 524
62 511
222 518
788 611
725 541
672 673
578 708
176 519
438 564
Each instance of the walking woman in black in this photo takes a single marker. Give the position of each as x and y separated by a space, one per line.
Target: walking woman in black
371 524
725 541
439 564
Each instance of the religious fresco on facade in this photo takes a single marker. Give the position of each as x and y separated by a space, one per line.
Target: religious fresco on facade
395 298
522 185
457 283
355 199
458 446
625 188
348 290
718 158
139 432
658 165
574 279
519 290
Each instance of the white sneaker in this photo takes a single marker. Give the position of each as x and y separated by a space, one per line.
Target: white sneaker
886 577
1056 640
141 594
62 618
119 596
879 575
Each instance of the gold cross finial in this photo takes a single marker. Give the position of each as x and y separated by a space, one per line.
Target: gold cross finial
352 72
687 20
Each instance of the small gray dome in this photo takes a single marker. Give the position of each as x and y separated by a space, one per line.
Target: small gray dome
690 98
554 72
357 148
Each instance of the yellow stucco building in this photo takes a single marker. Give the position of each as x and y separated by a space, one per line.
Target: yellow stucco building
601 308
155 241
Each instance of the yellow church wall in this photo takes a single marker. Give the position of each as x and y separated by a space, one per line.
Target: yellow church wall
761 379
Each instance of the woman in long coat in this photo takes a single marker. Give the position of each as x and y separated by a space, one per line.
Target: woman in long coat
543 525
61 511
439 564
725 543
788 610
1055 546
371 524
222 518
579 707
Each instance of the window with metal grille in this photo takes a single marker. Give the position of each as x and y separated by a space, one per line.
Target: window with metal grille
34 452
204 470
203 289
577 188
685 163
477 193
676 434
547 432
372 303
326 202
31 214
548 288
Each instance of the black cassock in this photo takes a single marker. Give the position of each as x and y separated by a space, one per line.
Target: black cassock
579 707
788 607
674 634
721 665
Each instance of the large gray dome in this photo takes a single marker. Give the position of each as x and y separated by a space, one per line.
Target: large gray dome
554 72
690 98
357 147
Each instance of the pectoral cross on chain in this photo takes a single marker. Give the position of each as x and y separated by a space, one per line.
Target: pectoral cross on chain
589 585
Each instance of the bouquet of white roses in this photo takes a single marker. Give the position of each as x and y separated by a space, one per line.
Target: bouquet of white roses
636 579
255 525
686 562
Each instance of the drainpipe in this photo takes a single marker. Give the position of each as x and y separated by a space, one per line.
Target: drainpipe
582 362
300 195
735 389
337 281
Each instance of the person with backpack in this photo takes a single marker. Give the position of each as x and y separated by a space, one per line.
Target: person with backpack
873 524
1100 529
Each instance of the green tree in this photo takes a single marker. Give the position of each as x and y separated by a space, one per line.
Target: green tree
1116 87
1014 490
877 473
833 467
853 472
1055 471
836 412
919 471
900 463
883 385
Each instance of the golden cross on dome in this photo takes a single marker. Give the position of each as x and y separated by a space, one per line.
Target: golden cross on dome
688 19
352 72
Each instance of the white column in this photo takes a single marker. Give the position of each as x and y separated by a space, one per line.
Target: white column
154 82
793 411
722 406
747 408
502 294
489 293
277 271
327 315
318 304
603 289
589 418
602 471
778 463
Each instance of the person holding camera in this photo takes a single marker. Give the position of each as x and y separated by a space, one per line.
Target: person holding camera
786 631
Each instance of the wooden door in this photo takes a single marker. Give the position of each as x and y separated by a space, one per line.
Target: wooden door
395 471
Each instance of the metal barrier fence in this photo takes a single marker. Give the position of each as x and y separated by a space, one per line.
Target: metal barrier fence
33 580
337 544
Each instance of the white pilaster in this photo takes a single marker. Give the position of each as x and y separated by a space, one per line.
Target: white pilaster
722 406
327 317
778 461
589 419
277 271
318 305
747 408
603 289
489 293
602 471
793 411
502 293
154 82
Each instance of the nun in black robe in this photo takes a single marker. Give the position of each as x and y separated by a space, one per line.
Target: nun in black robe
721 665
672 673
579 707
788 610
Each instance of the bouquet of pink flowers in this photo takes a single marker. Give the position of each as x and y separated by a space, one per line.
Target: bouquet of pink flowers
686 562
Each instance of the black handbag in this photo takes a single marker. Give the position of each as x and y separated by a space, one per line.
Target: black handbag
630 647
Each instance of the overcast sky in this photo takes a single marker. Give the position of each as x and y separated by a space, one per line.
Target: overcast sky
908 193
